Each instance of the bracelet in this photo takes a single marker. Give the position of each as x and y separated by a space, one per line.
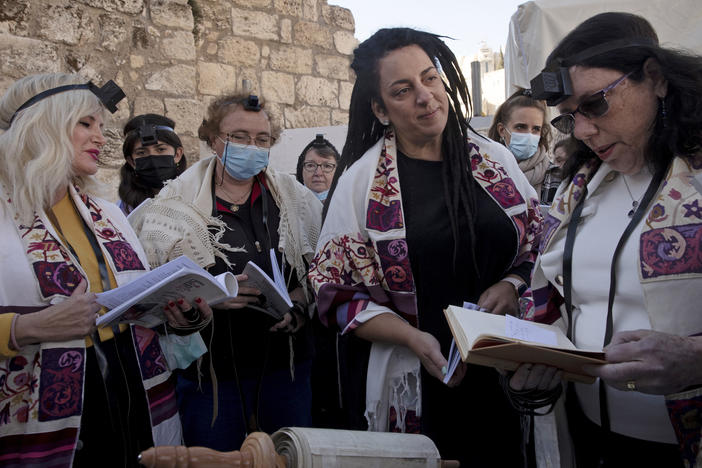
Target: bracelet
13 339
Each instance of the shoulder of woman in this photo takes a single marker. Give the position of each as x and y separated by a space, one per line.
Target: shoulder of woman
363 167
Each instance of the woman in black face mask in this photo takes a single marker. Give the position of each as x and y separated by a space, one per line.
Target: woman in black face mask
153 154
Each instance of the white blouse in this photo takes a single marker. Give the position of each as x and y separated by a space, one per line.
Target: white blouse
603 221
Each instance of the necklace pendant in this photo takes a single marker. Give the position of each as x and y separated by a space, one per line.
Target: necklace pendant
630 213
233 208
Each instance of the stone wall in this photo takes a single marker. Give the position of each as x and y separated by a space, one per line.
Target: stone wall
174 56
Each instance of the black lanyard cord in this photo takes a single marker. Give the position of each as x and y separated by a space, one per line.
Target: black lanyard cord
640 212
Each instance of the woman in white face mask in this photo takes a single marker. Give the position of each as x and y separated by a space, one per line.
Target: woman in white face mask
223 212
520 124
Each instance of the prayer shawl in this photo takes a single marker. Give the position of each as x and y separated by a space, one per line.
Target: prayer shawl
670 272
362 265
178 220
535 168
41 386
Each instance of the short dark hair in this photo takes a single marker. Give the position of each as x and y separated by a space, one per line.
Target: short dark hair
323 147
131 190
681 130
220 107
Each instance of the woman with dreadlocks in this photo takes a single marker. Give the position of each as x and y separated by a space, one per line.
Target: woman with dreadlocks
423 213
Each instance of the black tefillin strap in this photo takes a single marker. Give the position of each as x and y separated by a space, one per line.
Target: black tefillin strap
109 94
641 210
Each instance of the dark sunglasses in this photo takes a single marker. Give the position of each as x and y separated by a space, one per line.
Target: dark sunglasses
592 106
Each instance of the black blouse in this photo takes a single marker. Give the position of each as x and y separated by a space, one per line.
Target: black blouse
240 337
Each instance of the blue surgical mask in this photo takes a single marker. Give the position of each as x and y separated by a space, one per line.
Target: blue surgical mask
181 351
322 195
244 161
523 145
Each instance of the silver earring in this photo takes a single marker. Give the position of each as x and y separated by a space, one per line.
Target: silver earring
385 122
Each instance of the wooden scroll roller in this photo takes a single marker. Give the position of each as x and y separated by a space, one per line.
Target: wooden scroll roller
308 448
257 451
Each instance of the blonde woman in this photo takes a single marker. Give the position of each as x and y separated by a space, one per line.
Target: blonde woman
70 392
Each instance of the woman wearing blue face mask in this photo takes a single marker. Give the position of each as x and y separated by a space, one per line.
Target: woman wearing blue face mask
520 124
223 212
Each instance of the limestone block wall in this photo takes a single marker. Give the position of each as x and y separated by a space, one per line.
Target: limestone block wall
174 56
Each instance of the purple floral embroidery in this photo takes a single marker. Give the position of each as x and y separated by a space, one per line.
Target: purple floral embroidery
384 218
61 386
671 251
475 160
657 214
151 360
505 192
693 209
395 265
123 256
56 278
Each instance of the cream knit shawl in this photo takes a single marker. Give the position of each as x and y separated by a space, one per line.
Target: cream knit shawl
178 220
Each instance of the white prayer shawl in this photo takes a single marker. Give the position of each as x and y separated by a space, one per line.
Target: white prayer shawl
178 220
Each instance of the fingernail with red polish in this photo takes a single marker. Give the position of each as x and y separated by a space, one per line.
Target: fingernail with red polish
198 300
180 301
171 303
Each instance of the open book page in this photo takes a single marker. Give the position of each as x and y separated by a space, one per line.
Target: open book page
277 297
141 301
505 342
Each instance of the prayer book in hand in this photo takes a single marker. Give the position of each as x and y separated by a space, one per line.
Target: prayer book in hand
277 300
505 342
142 301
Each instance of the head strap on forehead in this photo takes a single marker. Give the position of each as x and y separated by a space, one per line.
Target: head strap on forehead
147 133
553 83
110 94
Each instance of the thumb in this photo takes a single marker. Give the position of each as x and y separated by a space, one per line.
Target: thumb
81 288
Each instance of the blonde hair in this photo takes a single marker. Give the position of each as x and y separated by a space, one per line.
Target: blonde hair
36 150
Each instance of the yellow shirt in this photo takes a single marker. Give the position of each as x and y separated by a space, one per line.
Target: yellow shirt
71 230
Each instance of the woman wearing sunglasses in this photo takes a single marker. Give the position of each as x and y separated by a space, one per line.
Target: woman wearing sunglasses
620 262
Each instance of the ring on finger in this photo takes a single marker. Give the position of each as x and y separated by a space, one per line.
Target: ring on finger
631 385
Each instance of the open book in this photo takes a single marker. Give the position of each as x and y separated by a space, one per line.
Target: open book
278 300
141 301
506 342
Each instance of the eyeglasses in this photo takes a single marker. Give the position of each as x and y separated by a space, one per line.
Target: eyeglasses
242 138
591 107
310 166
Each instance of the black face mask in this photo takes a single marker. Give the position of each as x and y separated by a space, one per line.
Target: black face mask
154 170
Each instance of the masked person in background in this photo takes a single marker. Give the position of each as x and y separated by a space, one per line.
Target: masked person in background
316 166
223 212
520 124
153 154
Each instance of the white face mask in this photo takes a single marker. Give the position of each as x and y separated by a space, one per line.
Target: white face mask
523 145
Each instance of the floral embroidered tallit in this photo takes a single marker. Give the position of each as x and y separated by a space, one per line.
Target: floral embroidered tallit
362 263
669 269
41 387
362 252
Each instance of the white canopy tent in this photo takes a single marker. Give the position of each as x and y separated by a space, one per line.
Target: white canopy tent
537 26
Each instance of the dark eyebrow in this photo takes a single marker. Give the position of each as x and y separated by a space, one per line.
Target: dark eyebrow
406 80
